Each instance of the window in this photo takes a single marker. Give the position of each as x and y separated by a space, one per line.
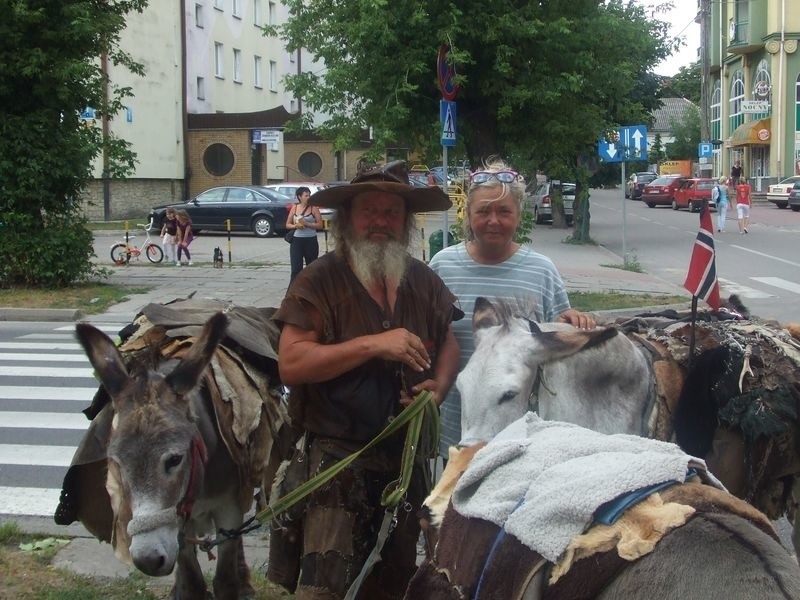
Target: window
309 164
198 15
736 116
291 57
762 88
237 65
201 88
271 15
716 122
218 159
219 4
257 71
273 76
219 71
236 9
240 196
293 105
212 196
257 13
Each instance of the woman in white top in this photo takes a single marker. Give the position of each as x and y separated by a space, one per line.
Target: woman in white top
306 221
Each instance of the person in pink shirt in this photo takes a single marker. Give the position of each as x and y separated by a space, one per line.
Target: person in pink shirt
743 205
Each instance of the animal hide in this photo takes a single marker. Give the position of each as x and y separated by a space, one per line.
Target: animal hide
740 398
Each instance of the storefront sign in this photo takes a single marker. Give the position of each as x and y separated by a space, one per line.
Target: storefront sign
750 107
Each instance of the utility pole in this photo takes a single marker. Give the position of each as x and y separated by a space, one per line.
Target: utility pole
705 75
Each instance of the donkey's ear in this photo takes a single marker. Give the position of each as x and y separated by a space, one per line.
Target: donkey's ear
186 375
105 358
484 315
559 344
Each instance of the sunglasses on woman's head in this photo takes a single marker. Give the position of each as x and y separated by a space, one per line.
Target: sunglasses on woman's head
501 176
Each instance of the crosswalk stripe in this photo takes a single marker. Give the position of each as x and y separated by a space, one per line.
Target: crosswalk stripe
779 283
43 357
48 336
40 456
18 392
28 501
43 420
110 328
40 346
70 372
742 290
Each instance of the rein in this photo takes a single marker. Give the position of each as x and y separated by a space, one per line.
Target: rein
199 455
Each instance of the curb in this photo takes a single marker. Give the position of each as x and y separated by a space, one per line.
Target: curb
41 314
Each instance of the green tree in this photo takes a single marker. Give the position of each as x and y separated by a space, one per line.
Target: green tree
686 135
656 153
539 81
50 71
686 84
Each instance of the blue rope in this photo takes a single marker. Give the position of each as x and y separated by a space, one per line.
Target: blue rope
497 541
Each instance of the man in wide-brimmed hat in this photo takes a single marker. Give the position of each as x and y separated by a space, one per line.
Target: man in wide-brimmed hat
364 329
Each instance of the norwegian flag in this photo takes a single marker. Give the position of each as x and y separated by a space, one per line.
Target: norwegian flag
701 280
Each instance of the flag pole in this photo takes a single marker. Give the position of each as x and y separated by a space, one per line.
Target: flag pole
691 332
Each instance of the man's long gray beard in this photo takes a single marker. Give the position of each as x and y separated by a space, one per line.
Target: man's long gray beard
373 262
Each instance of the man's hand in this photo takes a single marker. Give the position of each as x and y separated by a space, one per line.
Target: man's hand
402 346
429 385
577 319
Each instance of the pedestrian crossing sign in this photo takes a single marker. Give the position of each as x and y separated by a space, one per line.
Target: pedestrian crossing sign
447 114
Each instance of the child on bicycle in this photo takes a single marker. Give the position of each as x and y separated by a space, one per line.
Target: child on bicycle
185 236
169 233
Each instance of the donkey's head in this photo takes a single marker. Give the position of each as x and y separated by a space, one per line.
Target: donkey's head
496 384
156 452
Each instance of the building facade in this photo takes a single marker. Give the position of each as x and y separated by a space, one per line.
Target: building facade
211 108
754 87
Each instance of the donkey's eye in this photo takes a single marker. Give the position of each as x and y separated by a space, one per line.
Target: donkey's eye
509 395
172 462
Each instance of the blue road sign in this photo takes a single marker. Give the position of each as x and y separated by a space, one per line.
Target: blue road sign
629 143
705 149
447 115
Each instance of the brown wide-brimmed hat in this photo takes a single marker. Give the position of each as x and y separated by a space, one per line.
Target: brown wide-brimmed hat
391 177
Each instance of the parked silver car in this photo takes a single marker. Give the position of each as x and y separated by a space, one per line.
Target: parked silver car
537 200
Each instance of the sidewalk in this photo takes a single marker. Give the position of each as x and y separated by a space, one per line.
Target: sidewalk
582 268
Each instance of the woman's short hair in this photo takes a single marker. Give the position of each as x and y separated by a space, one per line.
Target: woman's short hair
494 164
299 191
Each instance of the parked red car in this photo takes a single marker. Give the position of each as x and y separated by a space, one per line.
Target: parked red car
661 191
691 193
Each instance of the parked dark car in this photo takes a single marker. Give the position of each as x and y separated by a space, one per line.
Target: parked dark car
691 193
794 197
661 191
636 183
249 207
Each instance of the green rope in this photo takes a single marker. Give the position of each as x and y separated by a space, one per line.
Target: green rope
414 414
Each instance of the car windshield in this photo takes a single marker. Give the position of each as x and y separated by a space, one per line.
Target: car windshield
568 188
663 181
794 179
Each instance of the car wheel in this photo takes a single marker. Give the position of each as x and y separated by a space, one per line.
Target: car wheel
537 217
569 221
674 205
796 207
782 204
651 204
263 227
694 207
627 193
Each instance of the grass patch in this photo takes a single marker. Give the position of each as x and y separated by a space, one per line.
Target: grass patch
588 301
91 298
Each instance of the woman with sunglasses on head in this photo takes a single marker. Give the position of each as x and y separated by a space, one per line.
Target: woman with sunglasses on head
491 264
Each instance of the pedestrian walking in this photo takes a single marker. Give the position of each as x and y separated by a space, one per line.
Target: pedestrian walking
736 173
306 221
743 206
719 193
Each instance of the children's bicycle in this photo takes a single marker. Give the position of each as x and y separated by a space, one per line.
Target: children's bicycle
122 252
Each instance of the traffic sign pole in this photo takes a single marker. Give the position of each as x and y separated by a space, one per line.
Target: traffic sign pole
624 218
446 73
446 224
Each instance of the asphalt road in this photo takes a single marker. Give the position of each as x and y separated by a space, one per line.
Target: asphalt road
762 267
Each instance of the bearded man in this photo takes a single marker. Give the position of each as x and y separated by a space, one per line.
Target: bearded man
364 328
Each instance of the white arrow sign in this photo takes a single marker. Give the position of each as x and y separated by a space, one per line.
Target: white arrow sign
637 140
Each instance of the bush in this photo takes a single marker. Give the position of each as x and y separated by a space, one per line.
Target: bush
45 254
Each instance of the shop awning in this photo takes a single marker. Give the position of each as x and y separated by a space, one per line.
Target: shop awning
752 133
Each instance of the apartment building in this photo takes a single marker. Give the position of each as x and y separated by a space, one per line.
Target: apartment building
211 108
754 86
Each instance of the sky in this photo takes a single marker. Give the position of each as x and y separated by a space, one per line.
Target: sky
681 20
